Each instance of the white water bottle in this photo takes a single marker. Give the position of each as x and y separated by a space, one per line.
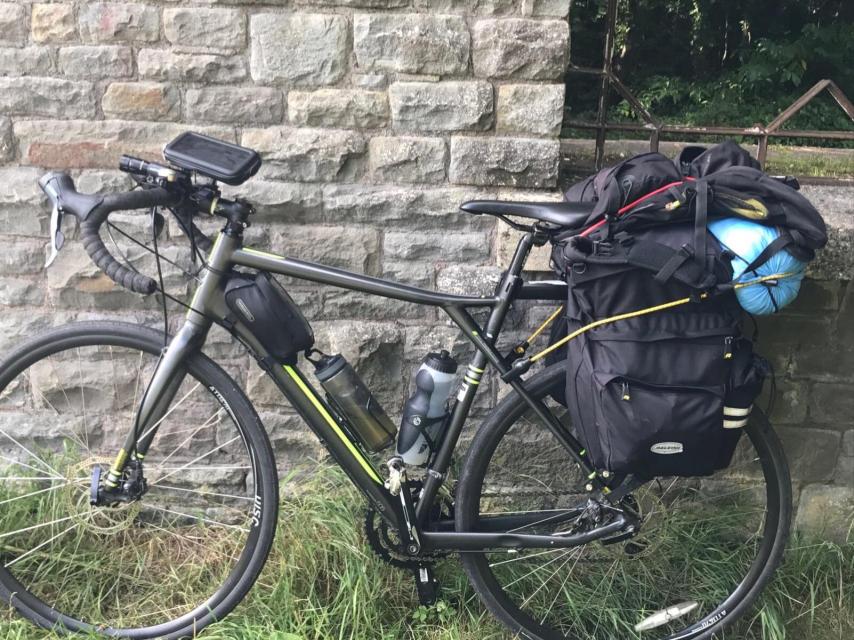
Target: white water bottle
425 412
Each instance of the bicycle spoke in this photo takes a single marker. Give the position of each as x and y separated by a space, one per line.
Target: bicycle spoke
200 518
34 493
46 466
35 526
168 413
43 544
201 457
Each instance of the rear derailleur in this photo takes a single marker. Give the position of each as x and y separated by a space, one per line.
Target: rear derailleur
131 487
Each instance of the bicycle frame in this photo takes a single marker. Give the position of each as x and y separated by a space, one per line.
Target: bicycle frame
208 305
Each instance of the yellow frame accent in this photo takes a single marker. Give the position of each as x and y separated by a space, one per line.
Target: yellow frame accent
366 465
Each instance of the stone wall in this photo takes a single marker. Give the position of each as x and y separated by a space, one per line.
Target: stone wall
376 118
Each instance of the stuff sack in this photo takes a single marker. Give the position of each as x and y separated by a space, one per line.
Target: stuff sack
745 242
262 304
664 393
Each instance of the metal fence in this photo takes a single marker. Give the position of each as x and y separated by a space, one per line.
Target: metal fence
655 128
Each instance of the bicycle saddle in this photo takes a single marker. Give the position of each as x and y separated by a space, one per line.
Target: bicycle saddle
569 215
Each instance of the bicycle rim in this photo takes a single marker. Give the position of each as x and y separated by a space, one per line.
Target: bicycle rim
145 568
705 547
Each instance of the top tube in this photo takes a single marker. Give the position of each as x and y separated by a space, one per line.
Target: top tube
332 276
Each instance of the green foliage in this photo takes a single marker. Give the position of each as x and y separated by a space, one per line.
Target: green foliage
323 582
721 62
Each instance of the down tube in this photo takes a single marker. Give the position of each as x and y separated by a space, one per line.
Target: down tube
314 410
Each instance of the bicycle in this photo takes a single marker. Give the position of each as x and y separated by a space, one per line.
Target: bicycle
134 466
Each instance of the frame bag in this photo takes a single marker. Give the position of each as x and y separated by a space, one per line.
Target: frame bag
263 305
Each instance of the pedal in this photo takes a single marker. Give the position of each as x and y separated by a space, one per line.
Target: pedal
427 585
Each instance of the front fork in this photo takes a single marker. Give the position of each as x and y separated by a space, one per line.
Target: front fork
158 397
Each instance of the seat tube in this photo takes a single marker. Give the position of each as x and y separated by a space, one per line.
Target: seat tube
508 286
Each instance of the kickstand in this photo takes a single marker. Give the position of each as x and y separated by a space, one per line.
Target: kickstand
428 586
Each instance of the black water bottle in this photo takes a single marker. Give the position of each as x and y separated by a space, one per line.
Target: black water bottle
354 400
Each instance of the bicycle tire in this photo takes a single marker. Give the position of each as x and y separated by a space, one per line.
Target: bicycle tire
519 622
259 540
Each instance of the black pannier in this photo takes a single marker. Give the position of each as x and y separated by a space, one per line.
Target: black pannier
263 305
664 393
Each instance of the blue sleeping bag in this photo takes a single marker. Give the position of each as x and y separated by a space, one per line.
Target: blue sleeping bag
746 240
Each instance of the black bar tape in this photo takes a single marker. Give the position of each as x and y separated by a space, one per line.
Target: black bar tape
90 235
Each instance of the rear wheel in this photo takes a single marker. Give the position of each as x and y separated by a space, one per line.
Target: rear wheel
705 548
165 565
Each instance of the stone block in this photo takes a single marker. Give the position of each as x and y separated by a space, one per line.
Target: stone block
535 109
515 162
142 101
518 48
361 4
817 295
307 155
375 351
96 61
407 207
464 280
210 28
320 243
826 513
23 207
13 23
7 141
848 443
233 105
118 22
790 401
23 256
48 97
353 305
407 159
27 61
281 201
812 453
836 260
442 106
205 68
369 80
471 7
53 23
546 8
94 181
411 43
18 292
300 49
83 144
341 108
832 404
416 274
466 247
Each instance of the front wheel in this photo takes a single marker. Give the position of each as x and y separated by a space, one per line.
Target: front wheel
705 548
166 564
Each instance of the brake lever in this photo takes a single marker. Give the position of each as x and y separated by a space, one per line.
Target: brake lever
57 238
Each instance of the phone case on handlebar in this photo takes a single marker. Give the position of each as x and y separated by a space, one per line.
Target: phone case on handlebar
222 161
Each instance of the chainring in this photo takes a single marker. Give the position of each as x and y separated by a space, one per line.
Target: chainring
384 542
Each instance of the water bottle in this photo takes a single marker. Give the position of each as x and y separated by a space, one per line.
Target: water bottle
353 399
426 410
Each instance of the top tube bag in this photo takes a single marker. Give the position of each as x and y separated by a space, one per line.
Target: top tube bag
263 305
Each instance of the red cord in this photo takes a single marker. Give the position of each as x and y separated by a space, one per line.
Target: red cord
631 205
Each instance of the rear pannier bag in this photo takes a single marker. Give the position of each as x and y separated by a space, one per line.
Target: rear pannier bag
660 394
275 320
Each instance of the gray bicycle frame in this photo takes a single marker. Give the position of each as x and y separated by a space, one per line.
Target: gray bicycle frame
208 306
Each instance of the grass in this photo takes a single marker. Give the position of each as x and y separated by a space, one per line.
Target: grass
322 582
